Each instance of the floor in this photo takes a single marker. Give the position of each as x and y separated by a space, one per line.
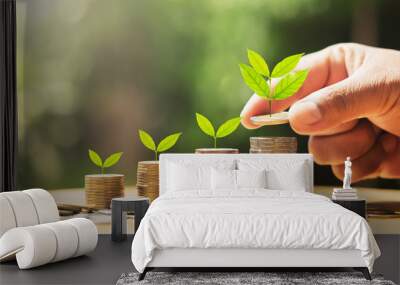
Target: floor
110 260
103 266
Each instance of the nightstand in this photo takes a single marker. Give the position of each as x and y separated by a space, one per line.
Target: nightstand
119 207
358 206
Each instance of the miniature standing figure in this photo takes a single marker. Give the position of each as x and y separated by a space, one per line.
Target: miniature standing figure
345 193
347 174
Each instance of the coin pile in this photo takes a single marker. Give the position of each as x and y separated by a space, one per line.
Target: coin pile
216 150
273 145
147 183
384 210
101 188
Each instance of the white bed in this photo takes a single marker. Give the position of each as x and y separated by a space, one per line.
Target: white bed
197 222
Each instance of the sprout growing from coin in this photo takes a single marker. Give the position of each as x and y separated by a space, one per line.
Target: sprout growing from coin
164 145
224 130
108 162
259 79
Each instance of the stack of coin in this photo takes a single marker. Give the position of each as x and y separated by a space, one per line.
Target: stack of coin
147 183
101 188
216 150
384 210
273 145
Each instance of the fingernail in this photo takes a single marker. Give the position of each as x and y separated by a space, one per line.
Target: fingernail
306 112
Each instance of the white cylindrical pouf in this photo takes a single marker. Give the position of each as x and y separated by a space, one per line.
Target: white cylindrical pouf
40 247
37 245
7 218
67 239
45 205
23 208
40 244
87 235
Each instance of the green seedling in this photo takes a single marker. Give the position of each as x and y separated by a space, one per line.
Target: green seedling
110 161
258 77
165 144
224 130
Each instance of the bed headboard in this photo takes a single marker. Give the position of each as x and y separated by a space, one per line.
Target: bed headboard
210 158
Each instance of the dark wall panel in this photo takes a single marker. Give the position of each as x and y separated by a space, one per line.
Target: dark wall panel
8 101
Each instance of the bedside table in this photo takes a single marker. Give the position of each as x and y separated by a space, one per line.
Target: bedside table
357 206
119 207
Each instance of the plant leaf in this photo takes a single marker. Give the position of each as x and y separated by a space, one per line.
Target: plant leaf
286 65
254 80
290 84
95 158
258 62
168 142
205 125
147 140
112 159
228 127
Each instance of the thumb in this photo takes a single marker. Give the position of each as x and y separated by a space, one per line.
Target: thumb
330 107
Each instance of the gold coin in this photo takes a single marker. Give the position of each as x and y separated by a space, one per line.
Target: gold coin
269 120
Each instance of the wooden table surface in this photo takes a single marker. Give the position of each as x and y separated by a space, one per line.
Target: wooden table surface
378 225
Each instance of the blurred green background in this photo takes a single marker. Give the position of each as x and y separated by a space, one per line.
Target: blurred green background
91 72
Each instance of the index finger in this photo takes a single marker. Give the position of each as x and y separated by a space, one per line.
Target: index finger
322 72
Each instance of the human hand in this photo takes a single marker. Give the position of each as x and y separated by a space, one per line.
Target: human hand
349 106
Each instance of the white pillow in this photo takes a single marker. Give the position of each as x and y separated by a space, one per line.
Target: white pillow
223 179
182 178
193 175
251 178
291 180
283 174
226 179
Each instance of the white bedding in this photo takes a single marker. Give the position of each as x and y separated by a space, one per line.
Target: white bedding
250 219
